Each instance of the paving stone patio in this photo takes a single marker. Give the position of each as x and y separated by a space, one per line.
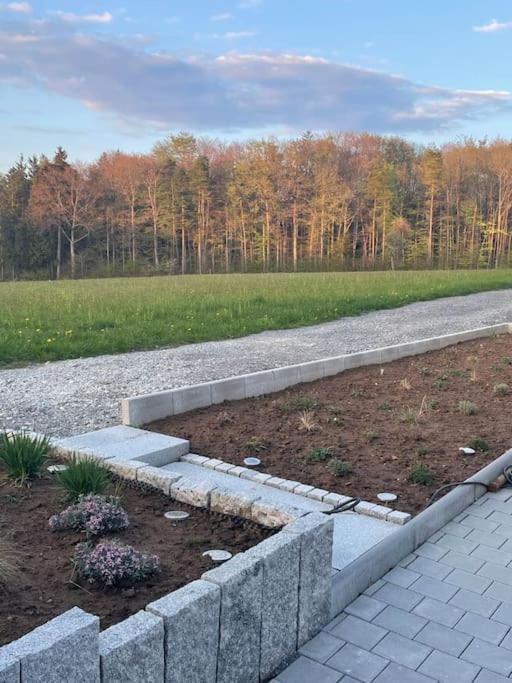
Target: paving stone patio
443 614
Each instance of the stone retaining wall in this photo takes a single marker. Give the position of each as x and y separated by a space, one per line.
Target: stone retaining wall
238 624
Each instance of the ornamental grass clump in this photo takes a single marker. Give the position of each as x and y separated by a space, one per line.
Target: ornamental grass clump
96 515
110 563
23 455
83 477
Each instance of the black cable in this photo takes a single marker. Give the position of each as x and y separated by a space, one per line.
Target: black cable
507 473
347 506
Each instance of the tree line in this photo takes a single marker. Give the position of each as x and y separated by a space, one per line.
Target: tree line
194 205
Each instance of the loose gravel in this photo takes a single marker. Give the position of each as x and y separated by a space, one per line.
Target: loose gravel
73 396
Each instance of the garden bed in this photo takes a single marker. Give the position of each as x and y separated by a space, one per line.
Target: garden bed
376 426
46 585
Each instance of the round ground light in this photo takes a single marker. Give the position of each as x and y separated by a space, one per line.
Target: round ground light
218 555
252 462
176 515
387 497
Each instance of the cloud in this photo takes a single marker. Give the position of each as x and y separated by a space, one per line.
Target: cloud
232 92
224 16
71 18
233 35
493 26
19 7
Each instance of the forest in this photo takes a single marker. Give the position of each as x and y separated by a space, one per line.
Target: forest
195 205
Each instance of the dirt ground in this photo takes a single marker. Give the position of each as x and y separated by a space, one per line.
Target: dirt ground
381 421
46 585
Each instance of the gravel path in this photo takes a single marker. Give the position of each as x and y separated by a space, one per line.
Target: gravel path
74 396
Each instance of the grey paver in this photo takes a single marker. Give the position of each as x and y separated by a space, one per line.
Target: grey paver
456 529
353 661
499 592
472 582
484 654
472 602
399 621
507 641
448 669
479 523
443 638
371 590
395 673
431 550
365 607
359 632
397 596
492 539
304 670
469 563
400 576
433 588
486 676
448 615
402 650
423 565
460 545
497 573
484 553
480 627
503 614
321 647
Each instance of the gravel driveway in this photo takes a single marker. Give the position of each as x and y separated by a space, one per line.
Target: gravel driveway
74 396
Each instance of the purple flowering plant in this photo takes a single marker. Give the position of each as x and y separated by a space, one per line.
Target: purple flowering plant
96 515
111 564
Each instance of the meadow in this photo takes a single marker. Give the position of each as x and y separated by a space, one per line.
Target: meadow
42 321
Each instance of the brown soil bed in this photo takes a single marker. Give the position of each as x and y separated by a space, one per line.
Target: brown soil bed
380 420
44 590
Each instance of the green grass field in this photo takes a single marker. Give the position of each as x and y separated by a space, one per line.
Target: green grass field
42 321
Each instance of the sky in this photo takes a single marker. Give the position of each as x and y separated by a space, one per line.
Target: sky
96 76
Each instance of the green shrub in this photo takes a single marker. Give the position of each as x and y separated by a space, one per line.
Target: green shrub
338 467
370 436
420 474
479 444
255 445
466 407
298 403
422 451
501 389
23 455
319 455
384 406
82 478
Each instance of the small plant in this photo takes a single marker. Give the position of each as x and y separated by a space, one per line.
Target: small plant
338 467
408 416
501 389
479 444
95 515
110 564
307 421
426 372
420 474
441 383
83 477
456 373
370 435
466 407
9 570
298 403
422 451
384 406
507 360
255 445
319 455
405 384
23 455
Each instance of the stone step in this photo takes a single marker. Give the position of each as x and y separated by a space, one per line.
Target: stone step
127 443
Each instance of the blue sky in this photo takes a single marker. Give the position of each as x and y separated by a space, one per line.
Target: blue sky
94 76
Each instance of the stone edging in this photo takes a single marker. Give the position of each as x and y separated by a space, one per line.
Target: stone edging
282 586
372 565
382 512
139 410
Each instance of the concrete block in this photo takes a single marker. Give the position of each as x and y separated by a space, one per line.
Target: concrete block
379 511
100 437
333 366
212 463
288 485
358 360
280 555
66 648
317 494
237 471
140 410
286 377
194 459
228 502
275 482
191 492
9 668
191 398
260 477
127 469
309 372
232 389
225 467
274 515
241 585
158 478
316 534
133 650
334 499
303 489
398 517
191 623
259 383
364 508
